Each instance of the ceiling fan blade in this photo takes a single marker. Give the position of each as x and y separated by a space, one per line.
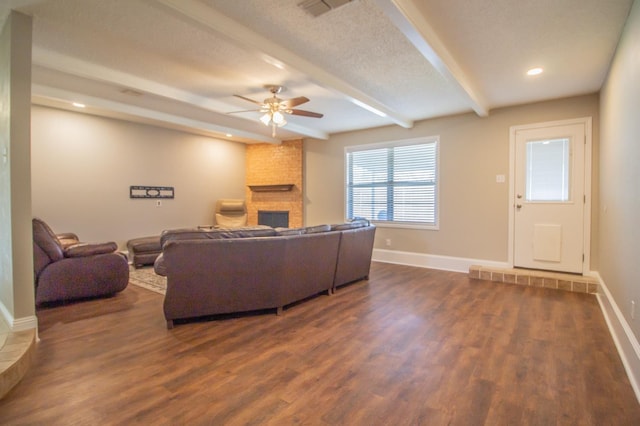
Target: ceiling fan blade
289 103
244 110
306 113
247 99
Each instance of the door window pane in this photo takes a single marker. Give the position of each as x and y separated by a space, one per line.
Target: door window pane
548 163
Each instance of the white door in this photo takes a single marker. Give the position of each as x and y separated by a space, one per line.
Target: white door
549 199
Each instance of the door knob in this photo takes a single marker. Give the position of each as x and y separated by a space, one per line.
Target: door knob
519 195
518 206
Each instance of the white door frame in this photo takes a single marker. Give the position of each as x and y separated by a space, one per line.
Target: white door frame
587 122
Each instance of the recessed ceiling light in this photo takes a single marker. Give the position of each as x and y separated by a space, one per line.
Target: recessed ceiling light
78 105
229 135
535 71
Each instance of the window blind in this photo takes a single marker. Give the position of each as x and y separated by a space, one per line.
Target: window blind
393 183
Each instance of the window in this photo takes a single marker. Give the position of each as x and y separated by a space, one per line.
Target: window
548 164
394 183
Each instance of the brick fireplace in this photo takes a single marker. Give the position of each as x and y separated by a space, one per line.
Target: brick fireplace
274 180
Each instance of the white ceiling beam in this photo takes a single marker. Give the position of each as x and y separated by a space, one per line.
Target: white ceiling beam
81 68
416 27
45 95
225 26
7 6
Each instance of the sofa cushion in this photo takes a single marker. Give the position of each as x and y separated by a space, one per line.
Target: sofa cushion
182 234
317 229
247 232
290 231
356 223
217 233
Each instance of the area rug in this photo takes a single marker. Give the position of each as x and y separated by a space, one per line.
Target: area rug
147 278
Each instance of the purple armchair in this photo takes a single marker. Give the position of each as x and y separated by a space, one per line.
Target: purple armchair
66 269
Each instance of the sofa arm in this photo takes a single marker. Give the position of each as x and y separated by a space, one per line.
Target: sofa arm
85 249
67 239
80 277
68 236
159 266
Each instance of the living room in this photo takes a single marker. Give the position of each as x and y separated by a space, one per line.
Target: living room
82 165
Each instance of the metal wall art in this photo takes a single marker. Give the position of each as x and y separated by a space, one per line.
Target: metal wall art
151 192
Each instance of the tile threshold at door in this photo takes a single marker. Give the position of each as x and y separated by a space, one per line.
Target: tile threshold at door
528 277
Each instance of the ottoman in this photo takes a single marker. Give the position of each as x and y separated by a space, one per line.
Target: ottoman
144 250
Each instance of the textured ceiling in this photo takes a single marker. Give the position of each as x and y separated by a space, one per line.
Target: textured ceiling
573 40
357 42
405 60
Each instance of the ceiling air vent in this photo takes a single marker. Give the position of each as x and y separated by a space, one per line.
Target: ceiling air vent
319 7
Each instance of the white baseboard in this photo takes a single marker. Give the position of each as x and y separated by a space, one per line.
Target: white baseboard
421 260
624 339
18 324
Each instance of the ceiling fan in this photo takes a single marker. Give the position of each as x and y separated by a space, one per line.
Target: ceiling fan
274 108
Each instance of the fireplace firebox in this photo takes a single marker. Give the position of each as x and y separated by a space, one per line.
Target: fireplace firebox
273 218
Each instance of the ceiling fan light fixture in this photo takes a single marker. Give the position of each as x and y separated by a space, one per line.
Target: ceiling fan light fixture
273 109
278 119
265 119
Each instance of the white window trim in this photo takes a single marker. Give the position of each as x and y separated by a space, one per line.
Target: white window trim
401 142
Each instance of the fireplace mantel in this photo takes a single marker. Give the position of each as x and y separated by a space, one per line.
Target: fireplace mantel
272 188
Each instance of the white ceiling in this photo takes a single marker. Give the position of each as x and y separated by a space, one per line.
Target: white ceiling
407 60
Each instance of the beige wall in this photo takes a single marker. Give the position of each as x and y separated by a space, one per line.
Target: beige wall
16 249
83 165
620 173
473 150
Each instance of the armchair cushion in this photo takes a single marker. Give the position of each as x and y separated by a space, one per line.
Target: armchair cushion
231 213
228 206
48 242
231 221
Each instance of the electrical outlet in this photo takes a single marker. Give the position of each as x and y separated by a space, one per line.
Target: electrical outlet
633 309
158 203
387 242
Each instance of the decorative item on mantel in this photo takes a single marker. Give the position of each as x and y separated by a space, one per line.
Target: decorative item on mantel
272 188
151 192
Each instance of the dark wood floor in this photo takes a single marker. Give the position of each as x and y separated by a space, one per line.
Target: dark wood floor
411 346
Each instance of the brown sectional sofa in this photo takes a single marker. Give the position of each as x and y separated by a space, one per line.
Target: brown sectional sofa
226 271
